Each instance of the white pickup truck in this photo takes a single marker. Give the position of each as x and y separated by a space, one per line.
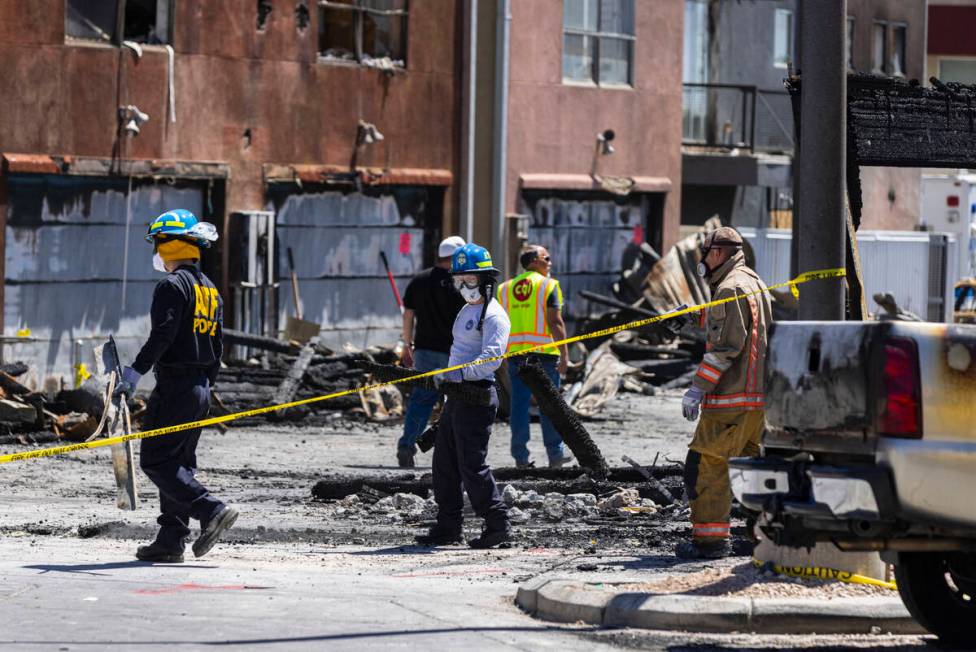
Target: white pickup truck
871 445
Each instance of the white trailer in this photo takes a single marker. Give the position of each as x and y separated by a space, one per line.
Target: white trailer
949 206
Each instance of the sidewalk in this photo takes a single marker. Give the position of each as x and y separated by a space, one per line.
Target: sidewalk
734 603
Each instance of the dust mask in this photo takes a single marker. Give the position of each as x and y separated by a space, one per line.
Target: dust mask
703 270
471 295
158 264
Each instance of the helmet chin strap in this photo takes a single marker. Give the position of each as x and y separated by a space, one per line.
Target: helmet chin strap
489 293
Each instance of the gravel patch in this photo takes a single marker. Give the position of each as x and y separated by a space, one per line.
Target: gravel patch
749 581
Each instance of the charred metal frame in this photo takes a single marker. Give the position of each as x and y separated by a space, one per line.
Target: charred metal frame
892 122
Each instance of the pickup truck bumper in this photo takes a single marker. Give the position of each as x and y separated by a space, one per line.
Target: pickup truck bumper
780 487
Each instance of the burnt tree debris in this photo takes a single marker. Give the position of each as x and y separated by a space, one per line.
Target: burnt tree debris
563 417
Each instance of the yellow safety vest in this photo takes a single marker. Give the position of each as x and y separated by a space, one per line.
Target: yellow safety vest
524 298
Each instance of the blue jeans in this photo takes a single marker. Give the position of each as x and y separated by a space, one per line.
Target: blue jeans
519 417
422 401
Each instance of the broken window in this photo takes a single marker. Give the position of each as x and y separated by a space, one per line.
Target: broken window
598 41
141 21
783 38
370 32
899 33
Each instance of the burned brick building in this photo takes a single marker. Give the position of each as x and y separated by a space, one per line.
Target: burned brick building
576 140
322 132
328 128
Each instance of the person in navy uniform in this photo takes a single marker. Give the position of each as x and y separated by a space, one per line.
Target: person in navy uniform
480 333
183 349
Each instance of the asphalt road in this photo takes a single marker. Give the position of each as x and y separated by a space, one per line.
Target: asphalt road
286 580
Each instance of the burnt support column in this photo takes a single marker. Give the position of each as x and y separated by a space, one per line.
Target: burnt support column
821 233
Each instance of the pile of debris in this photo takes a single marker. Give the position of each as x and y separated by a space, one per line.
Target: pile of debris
661 355
523 506
285 372
30 417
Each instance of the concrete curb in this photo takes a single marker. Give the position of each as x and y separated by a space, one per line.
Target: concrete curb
569 601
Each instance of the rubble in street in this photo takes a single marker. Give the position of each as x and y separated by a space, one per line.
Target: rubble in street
549 508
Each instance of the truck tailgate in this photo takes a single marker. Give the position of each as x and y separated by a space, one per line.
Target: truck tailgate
818 376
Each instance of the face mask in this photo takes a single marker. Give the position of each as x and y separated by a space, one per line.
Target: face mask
158 263
471 295
703 270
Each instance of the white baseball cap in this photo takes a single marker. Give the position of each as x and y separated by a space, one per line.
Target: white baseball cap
449 245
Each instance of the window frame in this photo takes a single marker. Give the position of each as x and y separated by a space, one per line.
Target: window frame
119 36
884 25
790 44
597 36
359 12
893 26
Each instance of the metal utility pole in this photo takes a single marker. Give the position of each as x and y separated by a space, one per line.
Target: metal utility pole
821 233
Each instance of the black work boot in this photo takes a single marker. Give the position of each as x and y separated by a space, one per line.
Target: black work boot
440 535
405 456
701 550
159 553
491 536
211 531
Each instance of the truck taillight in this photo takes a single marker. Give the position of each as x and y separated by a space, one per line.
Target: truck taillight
901 396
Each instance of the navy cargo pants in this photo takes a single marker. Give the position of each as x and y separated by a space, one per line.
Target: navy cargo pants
170 460
460 454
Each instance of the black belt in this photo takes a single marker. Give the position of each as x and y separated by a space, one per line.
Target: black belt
541 357
179 371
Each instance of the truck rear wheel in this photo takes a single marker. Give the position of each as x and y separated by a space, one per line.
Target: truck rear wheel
939 590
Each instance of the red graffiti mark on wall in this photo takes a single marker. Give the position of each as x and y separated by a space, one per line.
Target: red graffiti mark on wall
177 588
638 234
405 244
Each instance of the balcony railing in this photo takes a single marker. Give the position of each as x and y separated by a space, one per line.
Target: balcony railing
736 116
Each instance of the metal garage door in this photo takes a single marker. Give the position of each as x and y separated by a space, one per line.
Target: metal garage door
65 250
336 237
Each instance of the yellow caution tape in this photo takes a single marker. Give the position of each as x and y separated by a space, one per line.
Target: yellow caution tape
821 573
212 421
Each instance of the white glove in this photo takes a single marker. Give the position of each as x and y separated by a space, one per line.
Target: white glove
691 402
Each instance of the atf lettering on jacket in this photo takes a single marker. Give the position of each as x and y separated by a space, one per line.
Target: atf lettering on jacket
205 312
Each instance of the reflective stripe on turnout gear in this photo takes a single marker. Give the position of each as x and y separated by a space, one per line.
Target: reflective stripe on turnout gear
743 401
709 373
703 530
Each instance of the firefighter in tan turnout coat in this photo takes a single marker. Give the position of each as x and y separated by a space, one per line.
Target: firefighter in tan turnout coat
727 390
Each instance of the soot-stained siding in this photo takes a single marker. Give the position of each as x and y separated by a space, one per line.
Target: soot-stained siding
336 237
65 262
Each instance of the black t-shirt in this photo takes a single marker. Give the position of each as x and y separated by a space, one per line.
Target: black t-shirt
187 325
435 302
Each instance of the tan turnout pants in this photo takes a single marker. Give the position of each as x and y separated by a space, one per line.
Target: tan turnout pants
719 436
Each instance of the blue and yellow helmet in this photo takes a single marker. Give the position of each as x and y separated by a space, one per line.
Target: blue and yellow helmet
472 259
181 224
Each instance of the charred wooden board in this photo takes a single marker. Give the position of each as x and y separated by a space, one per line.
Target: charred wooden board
566 422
